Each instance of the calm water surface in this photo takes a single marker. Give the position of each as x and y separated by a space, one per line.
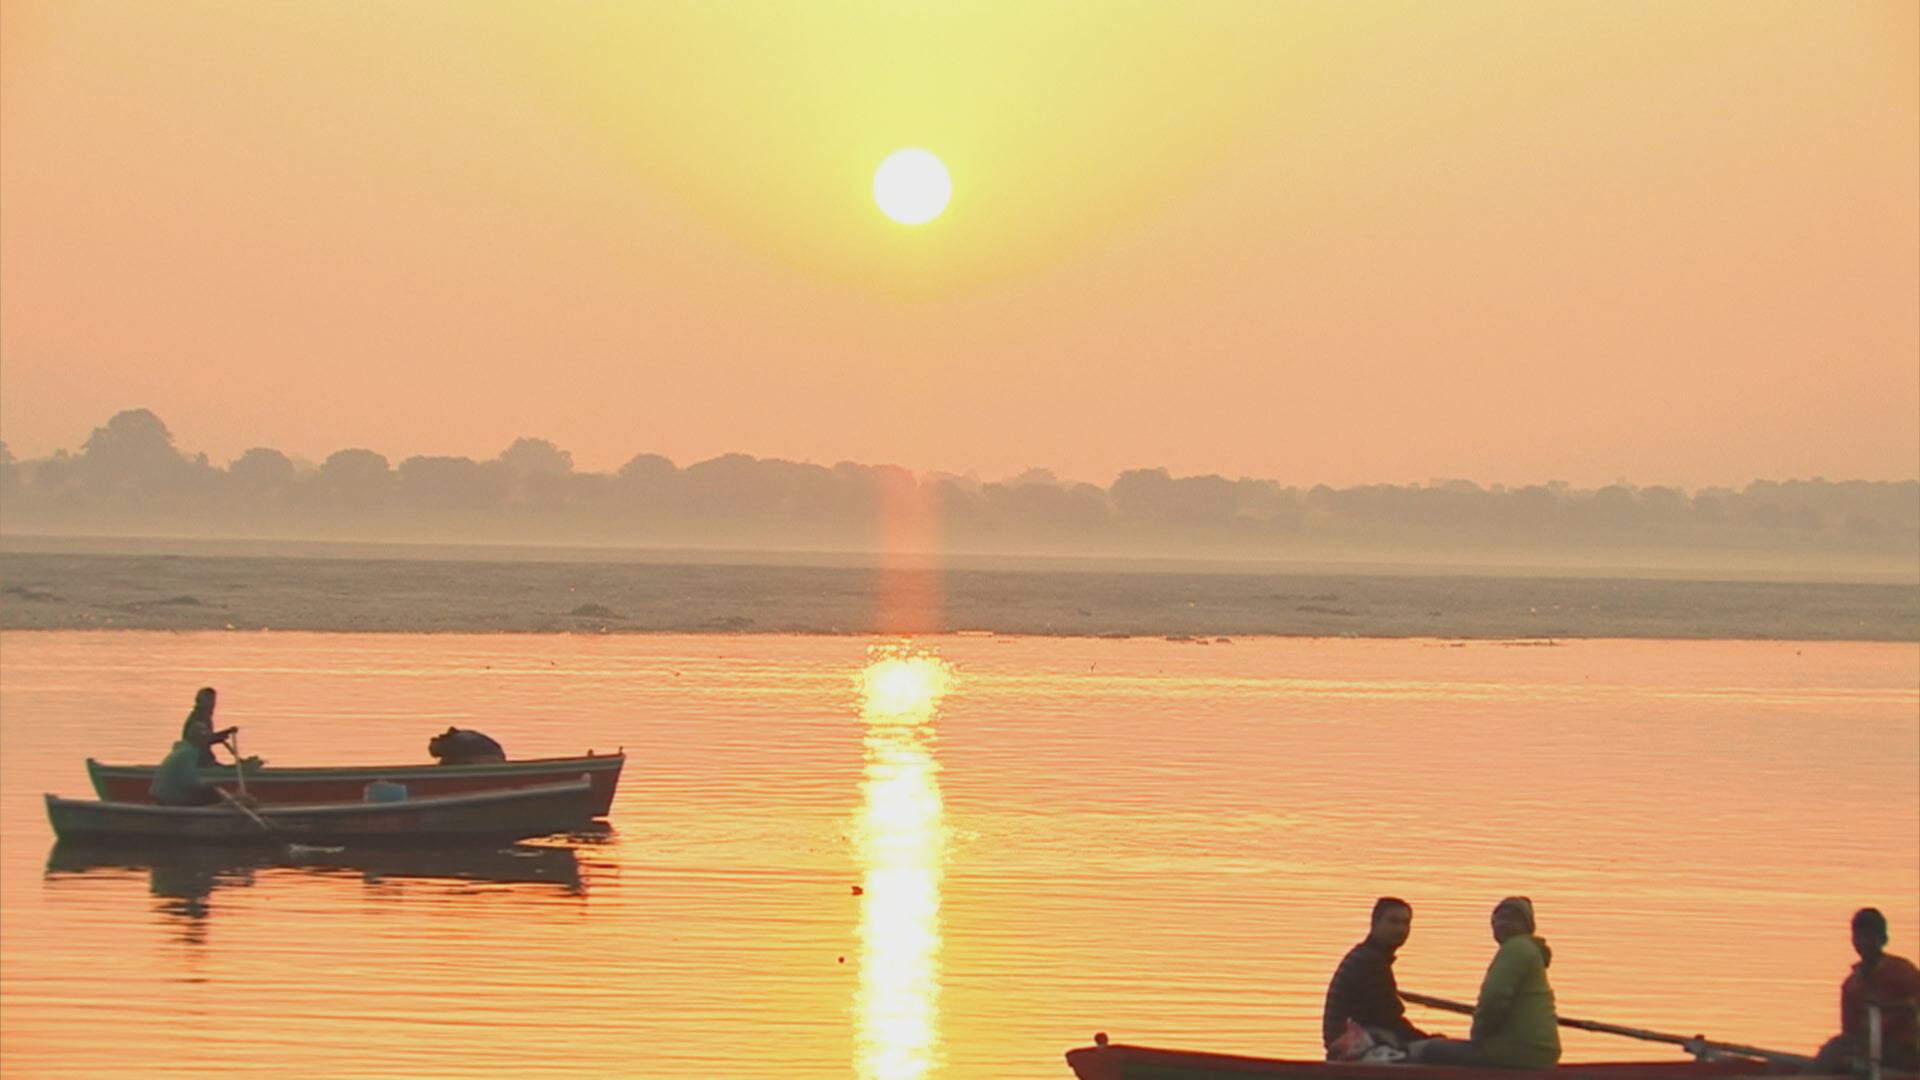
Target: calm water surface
836 857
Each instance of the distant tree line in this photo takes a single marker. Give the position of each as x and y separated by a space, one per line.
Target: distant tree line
130 477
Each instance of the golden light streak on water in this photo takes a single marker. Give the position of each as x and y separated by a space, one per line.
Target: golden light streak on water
902 846
1134 833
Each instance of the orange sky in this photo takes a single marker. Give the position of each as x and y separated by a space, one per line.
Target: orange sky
1343 243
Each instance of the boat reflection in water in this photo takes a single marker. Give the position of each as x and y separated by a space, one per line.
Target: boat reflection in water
901 835
185 876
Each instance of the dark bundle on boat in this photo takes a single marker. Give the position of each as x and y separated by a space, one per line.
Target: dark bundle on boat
459 746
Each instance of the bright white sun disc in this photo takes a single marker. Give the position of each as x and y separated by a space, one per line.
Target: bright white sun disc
912 186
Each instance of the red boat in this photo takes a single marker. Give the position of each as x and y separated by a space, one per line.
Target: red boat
1115 1061
496 816
272 785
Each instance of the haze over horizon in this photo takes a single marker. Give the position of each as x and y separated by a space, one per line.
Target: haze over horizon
554 455
557 456
1372 243
131 479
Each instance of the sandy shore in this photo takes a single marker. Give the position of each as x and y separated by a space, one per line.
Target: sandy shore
44 590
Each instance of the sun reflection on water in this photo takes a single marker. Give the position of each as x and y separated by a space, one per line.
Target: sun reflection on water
902 842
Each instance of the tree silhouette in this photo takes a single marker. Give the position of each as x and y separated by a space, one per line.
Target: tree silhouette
450 483
532 457
262 471
130 477
538 473
356 477
133 457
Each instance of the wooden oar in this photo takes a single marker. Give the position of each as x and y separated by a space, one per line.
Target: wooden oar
239 763
1698 1046
229 798
240 777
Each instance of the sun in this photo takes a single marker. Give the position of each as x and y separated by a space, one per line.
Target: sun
912 186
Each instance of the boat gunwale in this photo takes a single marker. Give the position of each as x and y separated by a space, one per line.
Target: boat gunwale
349 810
271 773
1110 1061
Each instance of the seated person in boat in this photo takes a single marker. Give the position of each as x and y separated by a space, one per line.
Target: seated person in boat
198 729
1881 979
1363 989
458 746
1514 1022
177 781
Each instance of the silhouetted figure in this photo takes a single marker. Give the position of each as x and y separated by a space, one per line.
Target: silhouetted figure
1514 1022
458 746
1363 989
177 781
1882 979
198 729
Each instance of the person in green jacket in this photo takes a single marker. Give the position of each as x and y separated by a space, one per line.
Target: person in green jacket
177 781
1514 1023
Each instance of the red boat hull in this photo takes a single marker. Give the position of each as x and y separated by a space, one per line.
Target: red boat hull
507 814
1121 1062
275 786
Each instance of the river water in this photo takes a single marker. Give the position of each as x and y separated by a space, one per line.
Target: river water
956 856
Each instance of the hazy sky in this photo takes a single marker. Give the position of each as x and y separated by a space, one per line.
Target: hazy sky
1665 242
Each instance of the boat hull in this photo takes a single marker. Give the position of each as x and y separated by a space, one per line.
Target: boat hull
1117 1061
272 785
512 814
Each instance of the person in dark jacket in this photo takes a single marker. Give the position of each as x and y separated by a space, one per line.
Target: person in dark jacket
198 729
1363 989
1891 983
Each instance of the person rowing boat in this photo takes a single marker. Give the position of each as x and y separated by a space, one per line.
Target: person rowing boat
177 781
199 731
1883 981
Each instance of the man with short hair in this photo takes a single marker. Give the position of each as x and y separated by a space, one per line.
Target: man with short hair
1881 979
1363 988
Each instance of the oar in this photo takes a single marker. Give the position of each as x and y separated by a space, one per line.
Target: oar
239 763
240 777
229 798
1697 1045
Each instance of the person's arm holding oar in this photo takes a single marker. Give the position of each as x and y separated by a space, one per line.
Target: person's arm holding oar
198 728
232 739
242 802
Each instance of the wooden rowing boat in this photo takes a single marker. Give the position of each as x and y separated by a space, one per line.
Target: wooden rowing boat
509 814
1116 1061
272 784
